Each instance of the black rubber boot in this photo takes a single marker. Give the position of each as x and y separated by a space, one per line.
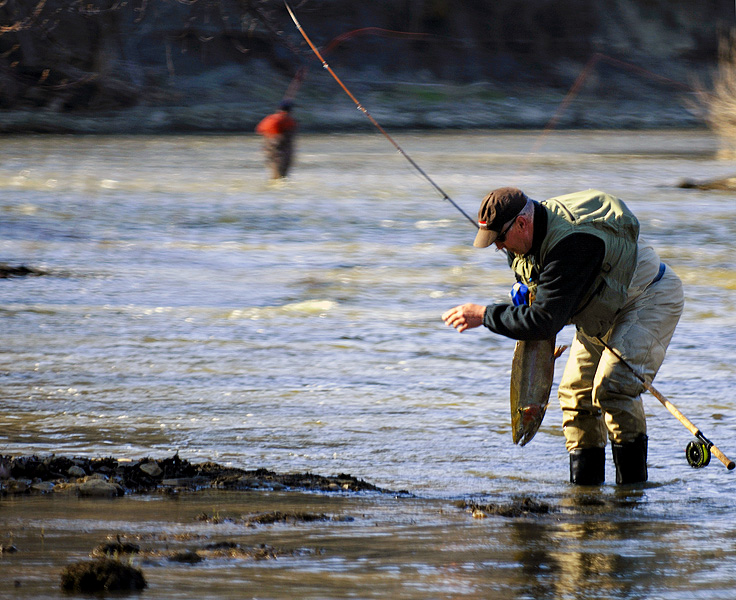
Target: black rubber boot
588 466
631 461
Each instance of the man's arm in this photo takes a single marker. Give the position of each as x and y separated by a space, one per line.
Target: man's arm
572 267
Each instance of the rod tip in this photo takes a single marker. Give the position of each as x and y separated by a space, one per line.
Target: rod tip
730 466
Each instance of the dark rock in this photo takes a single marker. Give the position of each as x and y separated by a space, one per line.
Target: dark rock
8 271
113 549
102 575
186 556
516 508
727 184
113 477
222 546
272 517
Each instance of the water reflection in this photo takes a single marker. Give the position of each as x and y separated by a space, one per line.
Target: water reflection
602 549
375 547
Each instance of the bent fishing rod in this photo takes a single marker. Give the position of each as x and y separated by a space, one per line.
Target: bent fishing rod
697 455
372 120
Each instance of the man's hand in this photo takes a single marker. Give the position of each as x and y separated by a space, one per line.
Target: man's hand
466 316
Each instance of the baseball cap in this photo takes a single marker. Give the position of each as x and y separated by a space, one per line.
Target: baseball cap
498 207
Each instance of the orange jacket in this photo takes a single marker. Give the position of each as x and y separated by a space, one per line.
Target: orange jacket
276 124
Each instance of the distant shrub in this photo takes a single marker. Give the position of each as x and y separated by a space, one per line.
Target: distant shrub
719 105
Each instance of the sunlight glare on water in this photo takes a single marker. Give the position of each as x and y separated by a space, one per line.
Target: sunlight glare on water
192 306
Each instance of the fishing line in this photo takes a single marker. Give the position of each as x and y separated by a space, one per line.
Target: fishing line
577 86
375 31
706 445
372 120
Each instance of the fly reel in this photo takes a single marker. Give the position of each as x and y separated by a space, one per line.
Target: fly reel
698 454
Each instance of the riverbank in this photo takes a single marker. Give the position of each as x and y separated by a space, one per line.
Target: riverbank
213 543
396 105
177 67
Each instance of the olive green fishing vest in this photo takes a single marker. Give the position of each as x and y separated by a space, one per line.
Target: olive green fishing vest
608 218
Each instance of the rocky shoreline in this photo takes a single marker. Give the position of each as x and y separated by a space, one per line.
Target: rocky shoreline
115 564
111 477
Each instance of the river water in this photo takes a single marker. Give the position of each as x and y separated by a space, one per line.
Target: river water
193 306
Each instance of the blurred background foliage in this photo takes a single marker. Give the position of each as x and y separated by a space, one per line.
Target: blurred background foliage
68 56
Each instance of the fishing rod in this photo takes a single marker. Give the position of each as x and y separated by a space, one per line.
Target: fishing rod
298 78
698 454
372 120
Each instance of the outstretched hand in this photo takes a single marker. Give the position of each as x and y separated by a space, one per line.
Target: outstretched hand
465 316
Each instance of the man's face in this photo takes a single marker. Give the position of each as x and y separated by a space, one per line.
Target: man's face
516 237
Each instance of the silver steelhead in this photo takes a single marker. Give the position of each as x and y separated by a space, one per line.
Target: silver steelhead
532 371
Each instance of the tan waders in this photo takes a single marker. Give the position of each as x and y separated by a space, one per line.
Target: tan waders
600 397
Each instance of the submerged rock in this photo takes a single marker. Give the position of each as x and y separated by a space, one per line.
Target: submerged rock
186 556
101 575
8 271
516 508
723 184
116 548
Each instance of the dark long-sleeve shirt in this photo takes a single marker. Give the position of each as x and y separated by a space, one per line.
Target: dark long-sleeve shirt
570 270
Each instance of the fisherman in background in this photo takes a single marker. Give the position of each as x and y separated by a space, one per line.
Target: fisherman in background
581 257
278 130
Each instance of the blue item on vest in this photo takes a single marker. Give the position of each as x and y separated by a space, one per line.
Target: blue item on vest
519 294
662 267
660 274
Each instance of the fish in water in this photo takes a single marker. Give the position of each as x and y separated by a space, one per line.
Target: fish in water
532 371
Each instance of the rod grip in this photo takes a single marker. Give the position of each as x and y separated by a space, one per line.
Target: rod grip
730 465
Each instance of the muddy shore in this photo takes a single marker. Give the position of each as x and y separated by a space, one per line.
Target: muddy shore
211 530
109 567
110 477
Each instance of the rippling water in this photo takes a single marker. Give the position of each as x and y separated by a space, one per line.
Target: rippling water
193 306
